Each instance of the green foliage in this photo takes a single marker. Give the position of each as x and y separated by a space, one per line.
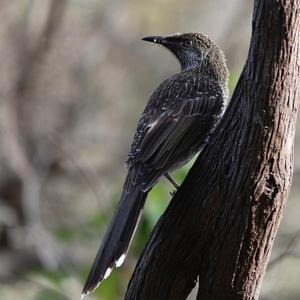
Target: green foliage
233 79
54 277
64 234
48 294
98 221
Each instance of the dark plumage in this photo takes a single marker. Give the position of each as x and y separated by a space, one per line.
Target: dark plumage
174 126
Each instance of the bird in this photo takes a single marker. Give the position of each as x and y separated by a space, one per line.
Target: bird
176 124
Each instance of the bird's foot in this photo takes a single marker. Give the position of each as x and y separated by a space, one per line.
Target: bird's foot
172 181
174 184
173 193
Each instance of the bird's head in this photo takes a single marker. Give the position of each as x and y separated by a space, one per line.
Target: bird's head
195 50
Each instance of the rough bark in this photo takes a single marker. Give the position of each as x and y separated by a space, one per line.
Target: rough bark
220 226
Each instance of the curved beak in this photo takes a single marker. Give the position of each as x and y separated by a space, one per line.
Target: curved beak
155 39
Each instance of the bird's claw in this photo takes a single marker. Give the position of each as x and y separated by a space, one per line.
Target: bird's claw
173 193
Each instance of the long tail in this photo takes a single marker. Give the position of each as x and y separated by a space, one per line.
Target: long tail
118 236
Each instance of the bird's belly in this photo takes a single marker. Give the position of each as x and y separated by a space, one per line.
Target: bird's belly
190 154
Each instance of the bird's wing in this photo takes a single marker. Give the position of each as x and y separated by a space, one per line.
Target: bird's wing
176 121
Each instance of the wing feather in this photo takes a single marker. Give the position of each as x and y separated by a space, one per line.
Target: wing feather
173 128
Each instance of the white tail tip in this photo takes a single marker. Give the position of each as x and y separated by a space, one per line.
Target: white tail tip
120 260
107 273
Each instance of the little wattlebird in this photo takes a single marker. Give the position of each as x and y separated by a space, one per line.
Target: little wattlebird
175 125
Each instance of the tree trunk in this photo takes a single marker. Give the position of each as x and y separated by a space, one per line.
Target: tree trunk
220 226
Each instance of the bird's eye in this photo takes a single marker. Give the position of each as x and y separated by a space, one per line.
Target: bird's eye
188 43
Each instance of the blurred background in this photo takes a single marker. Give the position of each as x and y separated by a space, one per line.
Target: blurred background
74 78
